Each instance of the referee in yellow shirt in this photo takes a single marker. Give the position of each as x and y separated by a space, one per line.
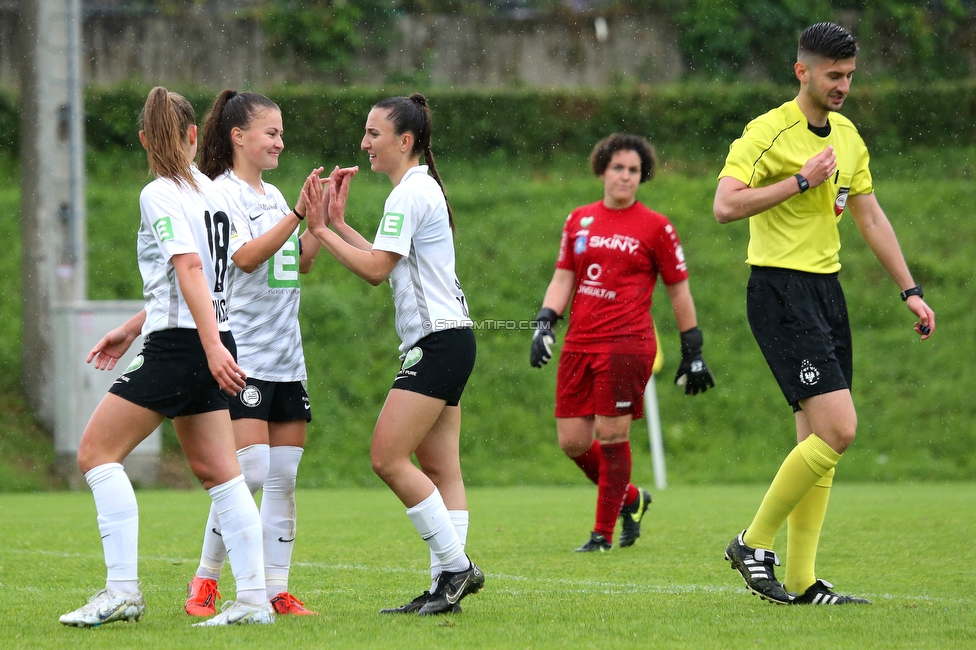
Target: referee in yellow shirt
792 174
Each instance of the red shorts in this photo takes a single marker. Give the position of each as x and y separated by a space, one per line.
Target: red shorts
602 384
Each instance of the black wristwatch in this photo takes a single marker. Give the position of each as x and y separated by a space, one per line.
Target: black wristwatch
914 291
802 182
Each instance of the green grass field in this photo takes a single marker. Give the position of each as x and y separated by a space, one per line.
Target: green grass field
908 547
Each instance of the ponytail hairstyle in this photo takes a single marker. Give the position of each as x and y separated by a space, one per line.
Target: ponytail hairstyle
412 114
231 109
165 120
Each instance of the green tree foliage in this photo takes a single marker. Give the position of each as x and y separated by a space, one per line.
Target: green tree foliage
922 40
719 39
729 39
323 33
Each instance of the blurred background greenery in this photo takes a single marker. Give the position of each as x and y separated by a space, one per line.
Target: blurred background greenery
914 399
514 161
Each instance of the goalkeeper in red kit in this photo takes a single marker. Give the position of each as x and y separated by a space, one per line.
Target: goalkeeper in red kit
610 256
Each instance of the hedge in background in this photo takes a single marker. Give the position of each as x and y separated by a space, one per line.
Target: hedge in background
469 124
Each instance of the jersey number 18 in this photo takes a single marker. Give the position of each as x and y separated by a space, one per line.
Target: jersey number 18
218 229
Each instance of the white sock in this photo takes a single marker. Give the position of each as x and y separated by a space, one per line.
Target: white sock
213 554
278 517
432 521
460 520
254 461
240 525
118 522
254 465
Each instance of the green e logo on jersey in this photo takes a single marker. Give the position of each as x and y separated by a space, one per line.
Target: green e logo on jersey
283 267
164 229
392 224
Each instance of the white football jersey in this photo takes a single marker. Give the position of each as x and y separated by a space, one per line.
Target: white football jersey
426 291
176 219
264 303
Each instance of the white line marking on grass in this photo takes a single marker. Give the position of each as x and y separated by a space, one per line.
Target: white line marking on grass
593 586
543 584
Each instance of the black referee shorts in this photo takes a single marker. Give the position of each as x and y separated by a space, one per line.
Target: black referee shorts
800 323
171 375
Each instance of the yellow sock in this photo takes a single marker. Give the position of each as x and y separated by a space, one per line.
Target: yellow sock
803 468
803 536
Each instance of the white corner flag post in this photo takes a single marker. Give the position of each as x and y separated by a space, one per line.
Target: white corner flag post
653 416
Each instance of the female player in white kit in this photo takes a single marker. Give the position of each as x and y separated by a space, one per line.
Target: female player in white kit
414 250
242 138
185 370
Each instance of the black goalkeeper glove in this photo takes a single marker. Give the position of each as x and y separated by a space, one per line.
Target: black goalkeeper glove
544 337
692 373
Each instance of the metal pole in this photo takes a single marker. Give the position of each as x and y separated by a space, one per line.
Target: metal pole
653 415
76 244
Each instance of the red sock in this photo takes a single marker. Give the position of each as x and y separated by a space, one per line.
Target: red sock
630 494
614 479
589 461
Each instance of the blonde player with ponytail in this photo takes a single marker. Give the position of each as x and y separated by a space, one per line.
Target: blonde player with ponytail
185 371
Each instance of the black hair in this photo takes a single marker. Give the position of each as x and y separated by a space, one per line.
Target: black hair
231 109
605 148
412 115
828 40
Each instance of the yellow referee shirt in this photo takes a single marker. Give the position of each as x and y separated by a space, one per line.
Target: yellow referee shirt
801 232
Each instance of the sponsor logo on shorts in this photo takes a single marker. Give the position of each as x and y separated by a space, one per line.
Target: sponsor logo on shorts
135 364
412 358
809 375
624 405
251 396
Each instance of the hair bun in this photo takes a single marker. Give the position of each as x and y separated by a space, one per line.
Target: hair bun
417 98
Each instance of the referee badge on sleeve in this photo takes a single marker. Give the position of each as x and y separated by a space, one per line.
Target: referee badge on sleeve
841 201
